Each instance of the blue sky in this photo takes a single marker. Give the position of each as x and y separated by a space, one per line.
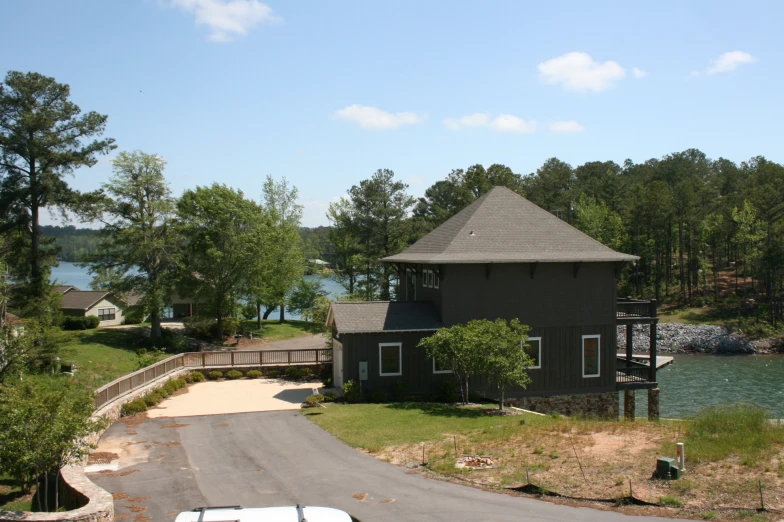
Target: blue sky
324 93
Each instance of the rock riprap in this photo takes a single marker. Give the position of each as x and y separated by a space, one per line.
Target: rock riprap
688 338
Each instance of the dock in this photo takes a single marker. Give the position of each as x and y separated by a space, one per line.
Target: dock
661 360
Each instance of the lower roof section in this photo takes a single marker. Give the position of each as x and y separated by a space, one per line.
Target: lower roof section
383 316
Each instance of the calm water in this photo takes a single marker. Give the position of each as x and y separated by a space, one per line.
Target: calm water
693 382
71 274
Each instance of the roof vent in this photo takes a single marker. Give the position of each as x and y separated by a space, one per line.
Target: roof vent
472 234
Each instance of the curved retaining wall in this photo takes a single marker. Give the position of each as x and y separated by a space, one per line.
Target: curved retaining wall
87 501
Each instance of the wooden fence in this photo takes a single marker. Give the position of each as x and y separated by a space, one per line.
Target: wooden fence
207 360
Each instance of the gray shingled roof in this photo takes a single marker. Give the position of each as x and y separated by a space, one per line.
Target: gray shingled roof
504 227
62 289
383 316
82 299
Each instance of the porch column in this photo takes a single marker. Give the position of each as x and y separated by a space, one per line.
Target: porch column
652 352
653 404
629 342
629 405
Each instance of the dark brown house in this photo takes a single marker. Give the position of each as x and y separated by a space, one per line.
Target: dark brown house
501 257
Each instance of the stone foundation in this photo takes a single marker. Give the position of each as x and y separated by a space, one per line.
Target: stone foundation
629 405
599 405
653 404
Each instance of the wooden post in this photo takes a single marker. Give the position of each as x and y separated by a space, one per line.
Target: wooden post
289 354
652 354
261 358
203 360
629 342
232 359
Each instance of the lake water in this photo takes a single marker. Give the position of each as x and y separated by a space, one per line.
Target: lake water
72 274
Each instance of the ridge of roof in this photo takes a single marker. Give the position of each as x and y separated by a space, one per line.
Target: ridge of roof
82 299
502 226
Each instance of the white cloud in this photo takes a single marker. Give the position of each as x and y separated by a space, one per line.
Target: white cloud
228 18
374 118
639 73
577 71
472 120
501 123
566 127
729 62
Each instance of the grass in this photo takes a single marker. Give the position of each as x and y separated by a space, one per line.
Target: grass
101 355
272 330
376 426
742 430
11 498
694 315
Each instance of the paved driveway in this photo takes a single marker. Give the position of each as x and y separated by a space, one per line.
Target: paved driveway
281 458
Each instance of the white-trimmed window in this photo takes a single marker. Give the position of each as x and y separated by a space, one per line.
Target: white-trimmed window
438 368
424 278
430 278
591 355
390 359
533 347
437 279
106 314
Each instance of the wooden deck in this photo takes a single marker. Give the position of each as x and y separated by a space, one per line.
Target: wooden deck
661 360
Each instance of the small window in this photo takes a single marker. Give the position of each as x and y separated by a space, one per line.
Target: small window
437 281
106 314
533 347
424 278
390 357
591 349
410 284
430 278
439 368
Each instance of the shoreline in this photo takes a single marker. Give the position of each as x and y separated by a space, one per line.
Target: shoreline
680 338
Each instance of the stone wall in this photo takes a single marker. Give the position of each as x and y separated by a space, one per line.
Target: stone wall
88 502
600 405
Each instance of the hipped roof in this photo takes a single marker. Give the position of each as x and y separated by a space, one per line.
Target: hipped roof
503 227
383 316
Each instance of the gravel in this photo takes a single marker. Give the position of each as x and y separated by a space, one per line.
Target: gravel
687 338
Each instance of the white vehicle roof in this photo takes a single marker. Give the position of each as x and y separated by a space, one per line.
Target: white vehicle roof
270 514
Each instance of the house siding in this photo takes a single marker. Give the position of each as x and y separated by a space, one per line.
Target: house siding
119 316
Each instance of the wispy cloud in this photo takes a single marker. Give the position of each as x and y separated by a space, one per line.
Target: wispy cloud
506 123
639 73
565 127
577 71
375 118
729 62
228 19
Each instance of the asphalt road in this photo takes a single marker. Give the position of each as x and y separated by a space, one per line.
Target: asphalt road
281 458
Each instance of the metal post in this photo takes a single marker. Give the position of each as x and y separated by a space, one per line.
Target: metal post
629 342
652 369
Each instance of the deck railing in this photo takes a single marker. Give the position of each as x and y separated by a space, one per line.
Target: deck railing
630 308
632 374
206 360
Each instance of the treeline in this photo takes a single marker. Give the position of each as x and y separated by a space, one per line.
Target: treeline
687 216
71 243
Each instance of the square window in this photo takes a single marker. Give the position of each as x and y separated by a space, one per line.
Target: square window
390 357
106 314
533 347
591 351
441 368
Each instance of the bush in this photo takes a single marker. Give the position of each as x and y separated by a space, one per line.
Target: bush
400 391
133 316
196 326
86 322
324 372
327 382
215 375
376 396
171 341
188 378
293 373
351 391
330 397
253 374
197 376
273 373
152 399
230 327
249 311
448 391
132 408
234 374
163 391
314 400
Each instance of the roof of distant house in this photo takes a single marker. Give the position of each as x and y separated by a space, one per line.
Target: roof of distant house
11 318
62 289
503 227
83 299
132 298
318 262
383 316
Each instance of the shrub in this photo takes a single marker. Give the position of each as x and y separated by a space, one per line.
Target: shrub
230 327
171 341
196 326
253 374
133 407
188 378
273 373
376 396
163 391
214 375
670 501
293 373
234 374
330 397
327 382
448 391
249 311
314 400
197 376
324 371
351 391
400 390
86 322
152 399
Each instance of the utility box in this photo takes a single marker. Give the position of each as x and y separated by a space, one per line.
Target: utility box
667 468
363 370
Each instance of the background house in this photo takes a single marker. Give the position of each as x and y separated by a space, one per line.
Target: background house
101 303
500 257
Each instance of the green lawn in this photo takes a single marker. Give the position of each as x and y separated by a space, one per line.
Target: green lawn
376 426
694 315
10 497
272 330
101 355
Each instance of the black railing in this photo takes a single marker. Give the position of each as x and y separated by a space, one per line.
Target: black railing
633 374
636 308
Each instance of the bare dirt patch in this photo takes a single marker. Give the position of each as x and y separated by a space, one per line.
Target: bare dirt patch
137 509
168 444
359 496
110 473
387 501
102 457
166 426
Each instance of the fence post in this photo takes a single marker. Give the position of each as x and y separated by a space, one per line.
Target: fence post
261 359
232 359
317 356
203 360
289 354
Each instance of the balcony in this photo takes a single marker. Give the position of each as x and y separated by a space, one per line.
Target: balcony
636 311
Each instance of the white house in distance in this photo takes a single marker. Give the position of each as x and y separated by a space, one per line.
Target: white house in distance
109 309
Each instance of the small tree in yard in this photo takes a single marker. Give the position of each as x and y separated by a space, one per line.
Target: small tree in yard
43 422
495 348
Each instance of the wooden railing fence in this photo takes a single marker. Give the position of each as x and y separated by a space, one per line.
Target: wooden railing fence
206 360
